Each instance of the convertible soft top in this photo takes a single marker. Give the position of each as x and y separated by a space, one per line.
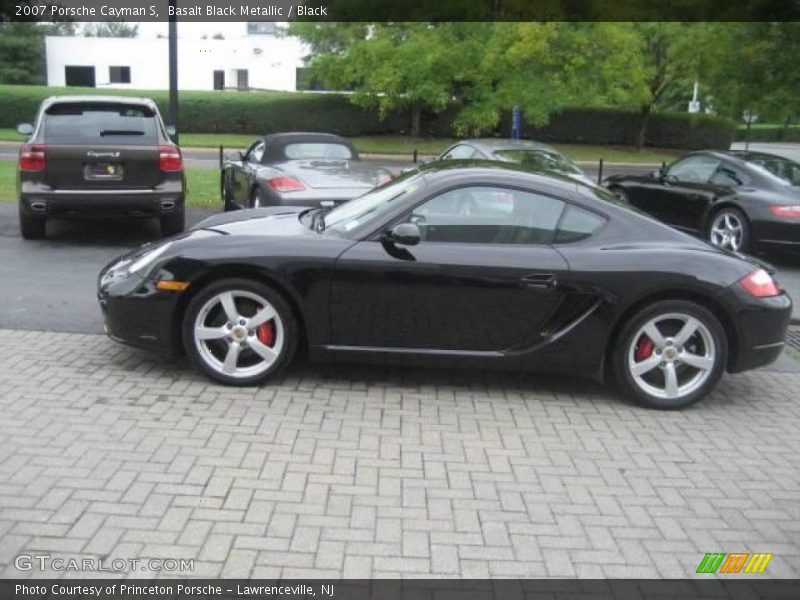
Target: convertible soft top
276 142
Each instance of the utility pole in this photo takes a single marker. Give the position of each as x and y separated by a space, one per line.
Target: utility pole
173 72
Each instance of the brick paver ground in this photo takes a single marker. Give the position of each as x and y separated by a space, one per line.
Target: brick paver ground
355 471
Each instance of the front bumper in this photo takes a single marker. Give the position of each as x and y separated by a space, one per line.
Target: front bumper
761 325
138 314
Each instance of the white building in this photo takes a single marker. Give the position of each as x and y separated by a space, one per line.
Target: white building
256 59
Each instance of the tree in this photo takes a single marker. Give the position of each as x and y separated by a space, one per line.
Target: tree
22 56
110 29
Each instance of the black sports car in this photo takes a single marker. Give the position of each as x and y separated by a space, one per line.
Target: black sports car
737 200
297 169
481 264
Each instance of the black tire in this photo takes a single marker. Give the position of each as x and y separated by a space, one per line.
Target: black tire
30 227
284 312
623 347
173 223
227 194
745 244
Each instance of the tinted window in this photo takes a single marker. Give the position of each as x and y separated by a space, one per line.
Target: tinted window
539 159
578 224
488 215
729 176
782 168
256 151
460 152
315 150
698 169
102 123
119 74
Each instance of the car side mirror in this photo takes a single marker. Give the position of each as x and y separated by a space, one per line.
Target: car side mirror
234 156
404 234
25 129
171 131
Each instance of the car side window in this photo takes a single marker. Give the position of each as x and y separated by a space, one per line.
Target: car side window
459 152
256 152
695 169
729 176
578 224
488 215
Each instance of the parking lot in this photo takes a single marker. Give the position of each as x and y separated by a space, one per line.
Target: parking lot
353 471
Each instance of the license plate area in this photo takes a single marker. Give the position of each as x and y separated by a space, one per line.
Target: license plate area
103 172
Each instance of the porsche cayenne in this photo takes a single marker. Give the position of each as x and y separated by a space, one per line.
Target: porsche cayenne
480 264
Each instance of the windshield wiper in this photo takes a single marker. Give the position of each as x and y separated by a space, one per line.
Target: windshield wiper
105 132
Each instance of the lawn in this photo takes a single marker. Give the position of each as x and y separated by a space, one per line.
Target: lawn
405 146
203 185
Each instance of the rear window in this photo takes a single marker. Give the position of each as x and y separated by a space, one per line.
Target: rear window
101 123
317 150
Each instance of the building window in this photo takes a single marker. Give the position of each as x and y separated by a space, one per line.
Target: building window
261 28
79 76
219 80
119 74
241 79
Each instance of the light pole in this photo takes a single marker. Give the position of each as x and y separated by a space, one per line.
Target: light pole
173 71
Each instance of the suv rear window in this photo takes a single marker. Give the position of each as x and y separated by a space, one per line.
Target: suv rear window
100 123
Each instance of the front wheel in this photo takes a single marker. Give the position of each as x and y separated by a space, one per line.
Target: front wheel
239 332
670 355
729 229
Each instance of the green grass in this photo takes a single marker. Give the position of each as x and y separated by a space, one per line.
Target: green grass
404 145
203 185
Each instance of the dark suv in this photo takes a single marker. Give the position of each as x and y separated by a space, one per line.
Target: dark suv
90 156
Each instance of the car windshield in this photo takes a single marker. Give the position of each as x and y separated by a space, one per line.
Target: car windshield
784 169
317 150
100 123
372 205
539 159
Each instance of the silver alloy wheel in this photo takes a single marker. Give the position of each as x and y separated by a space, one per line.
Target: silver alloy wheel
678 358
727 230
227 340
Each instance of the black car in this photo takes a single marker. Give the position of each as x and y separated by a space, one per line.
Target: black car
95 156
482 264
297 169
525 152
737 200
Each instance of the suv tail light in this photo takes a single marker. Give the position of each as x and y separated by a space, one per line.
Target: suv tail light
286 184
760 284
32 157
169 158
785 210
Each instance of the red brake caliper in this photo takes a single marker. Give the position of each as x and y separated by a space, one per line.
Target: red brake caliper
266 333
644 349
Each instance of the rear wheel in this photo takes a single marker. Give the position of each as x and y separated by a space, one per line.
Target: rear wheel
259 200
729 229
226 193
239 332
30 227
173 223
670 355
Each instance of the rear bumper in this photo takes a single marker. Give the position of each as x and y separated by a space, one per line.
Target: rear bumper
769 230
40 201
761 325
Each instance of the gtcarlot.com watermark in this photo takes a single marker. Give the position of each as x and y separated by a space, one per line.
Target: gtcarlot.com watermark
46 562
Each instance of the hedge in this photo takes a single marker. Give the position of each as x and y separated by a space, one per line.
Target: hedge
265 112
769 134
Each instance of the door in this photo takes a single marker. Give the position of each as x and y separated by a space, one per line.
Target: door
219 80
681 196
243 173
483 277
79 76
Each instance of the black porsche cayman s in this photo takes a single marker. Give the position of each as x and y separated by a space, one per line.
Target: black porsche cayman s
471 263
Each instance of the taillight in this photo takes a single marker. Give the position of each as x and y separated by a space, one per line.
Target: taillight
760 284
169 158
786 210
285 184
32 157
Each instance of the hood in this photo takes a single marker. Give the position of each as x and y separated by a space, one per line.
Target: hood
328 173
271 221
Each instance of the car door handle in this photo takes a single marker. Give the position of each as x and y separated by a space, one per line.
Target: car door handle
539 281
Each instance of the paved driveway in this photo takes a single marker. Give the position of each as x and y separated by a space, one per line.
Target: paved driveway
106 452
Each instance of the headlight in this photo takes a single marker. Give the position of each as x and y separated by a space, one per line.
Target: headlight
146 259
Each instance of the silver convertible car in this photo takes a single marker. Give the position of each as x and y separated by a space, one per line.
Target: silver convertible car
297 169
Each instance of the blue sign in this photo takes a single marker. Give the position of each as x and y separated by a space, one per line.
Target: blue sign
516 123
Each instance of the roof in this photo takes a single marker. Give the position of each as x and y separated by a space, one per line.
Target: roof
507 144
99 99
491 168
